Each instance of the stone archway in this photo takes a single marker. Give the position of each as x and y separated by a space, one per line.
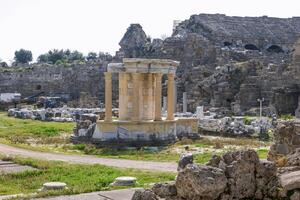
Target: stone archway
275 49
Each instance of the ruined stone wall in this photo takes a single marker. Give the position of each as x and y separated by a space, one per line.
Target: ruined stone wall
229 62
226 62
80 83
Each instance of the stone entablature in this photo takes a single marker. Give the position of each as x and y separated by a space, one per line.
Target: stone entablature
138 65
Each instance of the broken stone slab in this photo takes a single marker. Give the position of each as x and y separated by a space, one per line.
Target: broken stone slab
54 186
124 181
290 181
8 167
5 162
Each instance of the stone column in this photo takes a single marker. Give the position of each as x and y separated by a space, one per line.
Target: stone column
108 96
170 114
136 96
164 105
184 102
157 107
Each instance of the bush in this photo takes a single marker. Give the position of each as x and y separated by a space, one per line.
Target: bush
247 121
79 147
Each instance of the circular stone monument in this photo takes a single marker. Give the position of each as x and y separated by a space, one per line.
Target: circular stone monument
54 186
124 181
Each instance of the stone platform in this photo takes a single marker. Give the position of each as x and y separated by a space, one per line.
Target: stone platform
141 133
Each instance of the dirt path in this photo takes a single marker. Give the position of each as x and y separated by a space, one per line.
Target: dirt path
84 159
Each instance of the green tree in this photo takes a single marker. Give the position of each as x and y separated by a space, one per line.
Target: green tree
75 55
23 56
91 56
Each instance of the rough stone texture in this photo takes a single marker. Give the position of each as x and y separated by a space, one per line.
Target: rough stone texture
290 181
184 160
295 196
266 180
286 137
239 167
200 182
234 176
293 159
165 189
144 195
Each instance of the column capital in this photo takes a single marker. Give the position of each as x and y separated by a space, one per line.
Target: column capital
171 76
108 74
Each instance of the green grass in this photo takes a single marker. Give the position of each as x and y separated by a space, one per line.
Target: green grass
262 153
48 137
19 130
79 178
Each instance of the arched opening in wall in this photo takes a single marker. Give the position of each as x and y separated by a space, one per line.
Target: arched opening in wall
275 49
227 44
38 87
251 47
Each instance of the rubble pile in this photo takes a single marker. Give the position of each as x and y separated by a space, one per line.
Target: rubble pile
63 114
233 176
233 126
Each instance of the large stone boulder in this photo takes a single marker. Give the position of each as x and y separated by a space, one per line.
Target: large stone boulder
289 181
200 182
266 180
248 177
240 170
287 139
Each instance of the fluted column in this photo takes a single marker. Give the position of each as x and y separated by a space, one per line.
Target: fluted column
136 97
157 107
108 96
170 114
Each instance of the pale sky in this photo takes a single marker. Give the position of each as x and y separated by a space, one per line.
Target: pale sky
98 25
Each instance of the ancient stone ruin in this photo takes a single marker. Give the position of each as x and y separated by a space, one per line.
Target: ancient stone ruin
225 62
238 175
140 119
235 175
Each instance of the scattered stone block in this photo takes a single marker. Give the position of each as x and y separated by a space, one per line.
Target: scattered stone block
124 181
54 186
8 167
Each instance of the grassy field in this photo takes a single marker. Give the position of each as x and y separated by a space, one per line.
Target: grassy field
20 130
79 178
54 137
